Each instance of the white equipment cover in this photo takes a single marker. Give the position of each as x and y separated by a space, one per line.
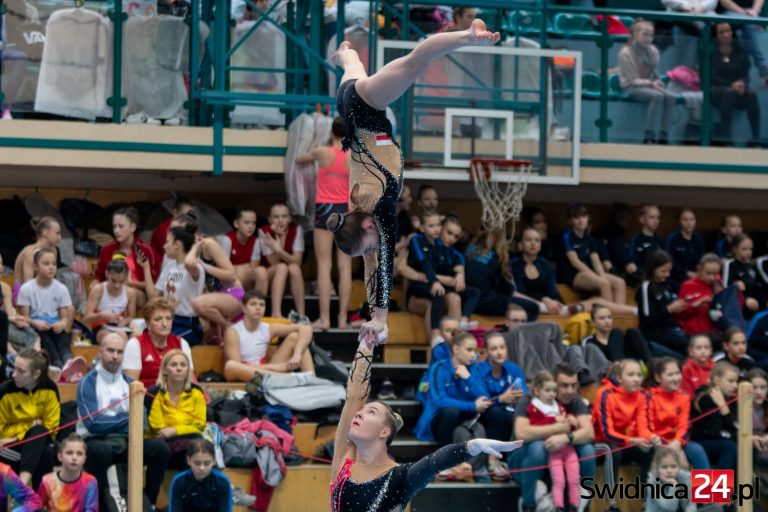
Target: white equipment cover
264 48
76 70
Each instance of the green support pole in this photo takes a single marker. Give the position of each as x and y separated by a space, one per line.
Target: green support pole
605 43
406 126
220 29
116 101
3 10
544 97
706 85
316 20
290 57
194 64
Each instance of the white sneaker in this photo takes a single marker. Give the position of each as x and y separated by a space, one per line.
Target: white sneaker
136 119
174 121
54 372
467 325
154 122
241 498
6 115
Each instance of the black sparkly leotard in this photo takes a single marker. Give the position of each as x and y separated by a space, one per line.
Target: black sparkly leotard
380 186
392 491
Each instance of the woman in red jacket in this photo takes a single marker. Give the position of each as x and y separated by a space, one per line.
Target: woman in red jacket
124 224
667 415
697 293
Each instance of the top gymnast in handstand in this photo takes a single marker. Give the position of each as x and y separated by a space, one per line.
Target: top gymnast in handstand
363 476
376 169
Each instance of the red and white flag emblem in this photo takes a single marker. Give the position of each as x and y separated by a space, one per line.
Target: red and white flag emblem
383 140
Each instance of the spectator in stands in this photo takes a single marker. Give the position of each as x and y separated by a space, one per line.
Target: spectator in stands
730 84
29 412
332 197
697 294
46 305
125 222
426 198
667 414
20 334
617 413
699 364
436 272
181 206
747 33
540 440
613 234
144 353
282 242
731 228
70 488
181 280
535 218
644 243
759 379
534 277
686 247
48 233
202 486
176 408
612 342
113 303
488 269
638 62
742 272
247 342
580 260
404 226
105 389
13 487
244 251
462 19
735 351
717 432
658 307
667 468
441 349
514 317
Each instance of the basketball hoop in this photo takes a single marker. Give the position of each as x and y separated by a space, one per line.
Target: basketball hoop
501 186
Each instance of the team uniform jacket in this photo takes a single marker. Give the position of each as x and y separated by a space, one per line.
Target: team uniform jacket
20 407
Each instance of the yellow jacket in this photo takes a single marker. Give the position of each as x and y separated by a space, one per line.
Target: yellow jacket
187 417
20 407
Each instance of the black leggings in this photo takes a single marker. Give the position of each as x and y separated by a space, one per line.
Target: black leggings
497 423
727 101
36 458
58 345
495 304
469 298
4 326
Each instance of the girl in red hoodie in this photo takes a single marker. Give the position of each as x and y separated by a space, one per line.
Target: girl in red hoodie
616 412
698 365
697 293
667 413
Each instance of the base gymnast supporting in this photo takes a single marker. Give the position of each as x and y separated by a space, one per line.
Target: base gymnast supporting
363 476
376 167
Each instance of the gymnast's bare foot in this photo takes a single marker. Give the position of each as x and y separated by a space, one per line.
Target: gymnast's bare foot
479 35
336 56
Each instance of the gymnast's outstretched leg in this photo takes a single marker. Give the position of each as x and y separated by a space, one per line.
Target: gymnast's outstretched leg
391 81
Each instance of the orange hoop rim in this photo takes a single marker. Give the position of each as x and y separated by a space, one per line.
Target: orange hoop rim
498 162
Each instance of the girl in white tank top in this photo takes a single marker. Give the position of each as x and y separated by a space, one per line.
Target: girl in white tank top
110 303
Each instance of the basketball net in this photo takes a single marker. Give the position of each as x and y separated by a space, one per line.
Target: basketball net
502 200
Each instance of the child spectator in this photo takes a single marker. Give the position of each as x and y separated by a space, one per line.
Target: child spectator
426 198
246 344
699 364
332 196
124 225
580 260
639 78
535 218
717 432
282 251
181 206
735 351
29 411
741 271
439 273
730 229
441 348
112 303
70 489
47 306
202 488
244 251
686 247
667 468
759 379
616 415
644 243
544 409
48 233
697 294
667 413
181 281
657 307
612 342
488 269
12 486
176 408
614 233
